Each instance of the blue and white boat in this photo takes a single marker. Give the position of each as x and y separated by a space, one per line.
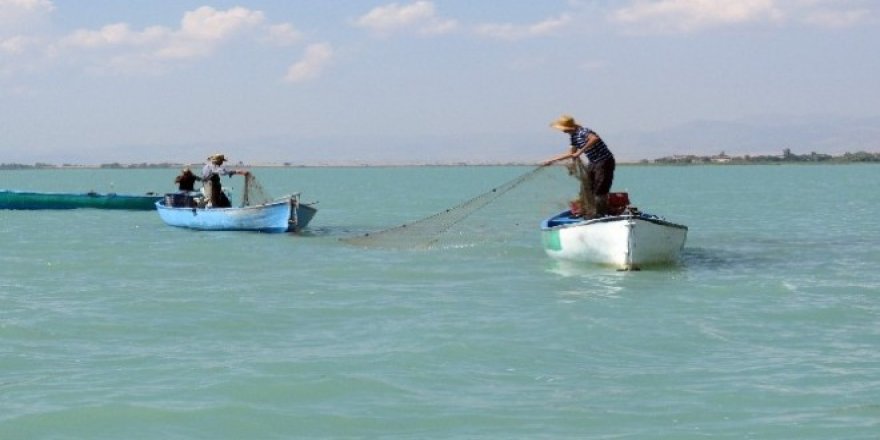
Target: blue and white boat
630 240
285 214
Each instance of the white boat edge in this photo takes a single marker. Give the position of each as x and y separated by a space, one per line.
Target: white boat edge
626 242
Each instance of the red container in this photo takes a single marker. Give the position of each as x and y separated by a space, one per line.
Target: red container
617 202
577 208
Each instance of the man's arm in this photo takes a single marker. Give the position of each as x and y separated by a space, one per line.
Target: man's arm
592 139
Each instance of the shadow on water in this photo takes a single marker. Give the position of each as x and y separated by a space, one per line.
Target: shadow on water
722 259
735 255
340 232
709 258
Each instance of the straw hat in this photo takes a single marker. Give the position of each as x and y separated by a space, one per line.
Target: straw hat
217 158
565 122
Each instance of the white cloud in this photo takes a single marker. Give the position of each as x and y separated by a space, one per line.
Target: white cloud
517 32
316 58
14 45
282 35
117 34
207 23
837 18
202 31
671 16
419 17
12 11
686 16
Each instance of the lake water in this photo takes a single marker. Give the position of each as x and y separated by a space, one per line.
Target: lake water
116 326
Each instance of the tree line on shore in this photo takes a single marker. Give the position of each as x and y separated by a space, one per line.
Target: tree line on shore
786 157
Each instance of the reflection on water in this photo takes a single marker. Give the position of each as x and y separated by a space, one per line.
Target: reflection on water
576 269
597 281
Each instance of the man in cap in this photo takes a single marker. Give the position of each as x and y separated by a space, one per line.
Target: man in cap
211 179
597 175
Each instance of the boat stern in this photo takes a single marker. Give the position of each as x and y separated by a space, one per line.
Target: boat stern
300 213
627 242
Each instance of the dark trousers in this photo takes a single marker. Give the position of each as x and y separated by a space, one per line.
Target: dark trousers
601 175
216 195
596 179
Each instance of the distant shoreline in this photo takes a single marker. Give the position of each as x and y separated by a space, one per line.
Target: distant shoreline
678 160
4 167
249 165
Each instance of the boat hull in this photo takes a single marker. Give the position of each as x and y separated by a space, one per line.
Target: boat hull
31 200
626 242
283 215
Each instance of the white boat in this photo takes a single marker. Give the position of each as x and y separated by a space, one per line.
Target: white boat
629 241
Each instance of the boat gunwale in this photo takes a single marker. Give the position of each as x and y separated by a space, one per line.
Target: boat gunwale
32 200
150 195
608 219
294 197
281 201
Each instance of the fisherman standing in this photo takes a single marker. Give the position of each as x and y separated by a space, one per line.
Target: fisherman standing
595 169
211 173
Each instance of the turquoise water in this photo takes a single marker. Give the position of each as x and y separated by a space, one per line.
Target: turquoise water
114 325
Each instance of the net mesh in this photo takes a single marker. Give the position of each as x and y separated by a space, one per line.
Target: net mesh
426 232
254 193
587 202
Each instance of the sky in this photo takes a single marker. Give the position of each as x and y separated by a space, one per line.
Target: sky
448 81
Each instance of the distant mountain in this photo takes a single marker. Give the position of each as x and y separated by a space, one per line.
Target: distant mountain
765 135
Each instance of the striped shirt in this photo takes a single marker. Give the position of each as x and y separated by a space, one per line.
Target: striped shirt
598 152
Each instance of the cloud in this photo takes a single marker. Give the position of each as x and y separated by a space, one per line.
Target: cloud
207 23
120 49
200 32
316 58
14 45
282 35
18 43
837 18
518 32
685 16
689 16
12 11
419 17
117 34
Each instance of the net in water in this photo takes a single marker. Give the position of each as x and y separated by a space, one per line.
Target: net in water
425 233
254 193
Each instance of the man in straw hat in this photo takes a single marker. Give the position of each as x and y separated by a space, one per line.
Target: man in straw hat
211 179
597 175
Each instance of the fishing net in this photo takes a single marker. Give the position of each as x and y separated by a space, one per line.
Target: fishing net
254 193
586 202
426 232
